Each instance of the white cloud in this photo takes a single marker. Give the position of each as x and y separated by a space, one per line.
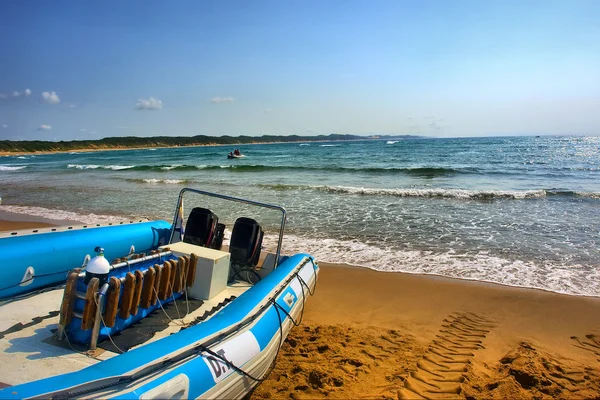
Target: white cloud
83 130
218 100
268 110
16 94
149 104
4 126
45 128
50 98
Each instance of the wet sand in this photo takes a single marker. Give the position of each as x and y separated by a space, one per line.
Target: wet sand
394 335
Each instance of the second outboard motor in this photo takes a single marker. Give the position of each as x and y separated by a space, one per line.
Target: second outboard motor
246 242
97 267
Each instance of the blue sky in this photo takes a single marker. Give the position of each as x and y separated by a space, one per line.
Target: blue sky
87 70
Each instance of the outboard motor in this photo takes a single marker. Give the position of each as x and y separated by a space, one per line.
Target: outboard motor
97 267
200 227
246 241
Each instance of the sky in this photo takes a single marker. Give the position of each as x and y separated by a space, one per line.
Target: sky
75 70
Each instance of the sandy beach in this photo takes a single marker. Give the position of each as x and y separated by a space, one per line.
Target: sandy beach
368 334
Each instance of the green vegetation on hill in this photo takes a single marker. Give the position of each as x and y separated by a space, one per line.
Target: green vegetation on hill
161 141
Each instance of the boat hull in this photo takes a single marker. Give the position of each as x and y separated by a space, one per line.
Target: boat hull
204 360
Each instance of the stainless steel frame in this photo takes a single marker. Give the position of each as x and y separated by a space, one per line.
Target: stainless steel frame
236 199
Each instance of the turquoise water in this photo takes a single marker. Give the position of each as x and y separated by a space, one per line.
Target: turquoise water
522 211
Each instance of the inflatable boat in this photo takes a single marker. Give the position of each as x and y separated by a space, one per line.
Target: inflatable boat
188 318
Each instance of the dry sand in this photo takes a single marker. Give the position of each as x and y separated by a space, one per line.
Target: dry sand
368 334
393 335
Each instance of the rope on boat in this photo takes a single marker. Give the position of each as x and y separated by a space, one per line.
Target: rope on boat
277 307
241 371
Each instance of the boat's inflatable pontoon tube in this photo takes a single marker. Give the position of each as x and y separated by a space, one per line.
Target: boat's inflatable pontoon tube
246 334
50 255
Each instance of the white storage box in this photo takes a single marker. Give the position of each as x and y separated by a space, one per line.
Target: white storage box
212 269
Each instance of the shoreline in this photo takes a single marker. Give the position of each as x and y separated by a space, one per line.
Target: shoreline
368 333
121 148
11 220
93 150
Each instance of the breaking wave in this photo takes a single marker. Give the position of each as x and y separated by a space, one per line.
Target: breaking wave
438 193
418 171
12 167
162 181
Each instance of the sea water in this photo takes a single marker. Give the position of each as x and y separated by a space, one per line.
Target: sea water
521 211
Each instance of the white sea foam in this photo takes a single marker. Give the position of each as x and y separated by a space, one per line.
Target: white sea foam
80 166
22 157
446 193
391 142
591 195
329 145
12 167
95 166
304 144
568 279
118 167
167 181
170 167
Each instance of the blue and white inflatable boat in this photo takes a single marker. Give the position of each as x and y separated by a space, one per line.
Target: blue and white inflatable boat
187 318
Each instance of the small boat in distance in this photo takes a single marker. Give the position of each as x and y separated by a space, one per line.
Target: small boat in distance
193 317
235 154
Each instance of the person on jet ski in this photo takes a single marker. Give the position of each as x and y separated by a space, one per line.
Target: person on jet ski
236 152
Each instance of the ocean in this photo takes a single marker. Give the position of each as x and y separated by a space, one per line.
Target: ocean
519 211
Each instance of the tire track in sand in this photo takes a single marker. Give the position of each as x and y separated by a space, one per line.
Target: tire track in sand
439 373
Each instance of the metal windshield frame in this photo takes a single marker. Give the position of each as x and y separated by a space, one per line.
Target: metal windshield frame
238 200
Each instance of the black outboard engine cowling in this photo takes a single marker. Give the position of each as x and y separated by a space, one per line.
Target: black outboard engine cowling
200 227
246 241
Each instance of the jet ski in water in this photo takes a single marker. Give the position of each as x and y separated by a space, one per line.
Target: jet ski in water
235 154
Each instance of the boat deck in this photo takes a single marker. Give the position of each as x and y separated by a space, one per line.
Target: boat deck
31 351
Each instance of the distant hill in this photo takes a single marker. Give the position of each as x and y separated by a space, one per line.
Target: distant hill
29 146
